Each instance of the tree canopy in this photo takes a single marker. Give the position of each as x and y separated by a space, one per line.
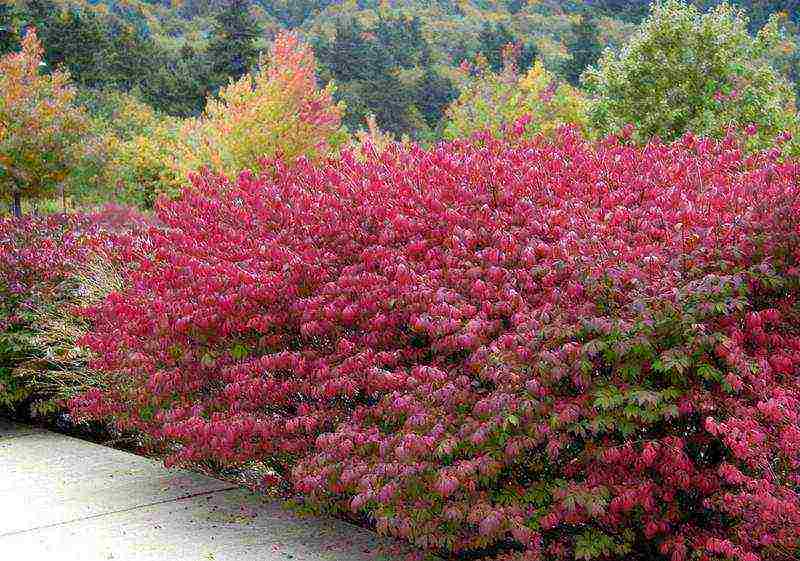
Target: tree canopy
40 125
686 70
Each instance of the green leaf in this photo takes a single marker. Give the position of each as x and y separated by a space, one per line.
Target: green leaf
631 411
239 352
592 544
626 428
146 413
708 372
175 352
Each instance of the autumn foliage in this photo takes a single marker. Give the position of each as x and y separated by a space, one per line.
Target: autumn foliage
277 110
40 126
50 266
533 102
547 350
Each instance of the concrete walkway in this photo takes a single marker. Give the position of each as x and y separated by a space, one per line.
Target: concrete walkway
66 499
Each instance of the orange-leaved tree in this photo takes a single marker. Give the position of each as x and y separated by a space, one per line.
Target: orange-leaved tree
276 111
40 126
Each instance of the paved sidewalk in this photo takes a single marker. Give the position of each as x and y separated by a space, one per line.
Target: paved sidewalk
67 500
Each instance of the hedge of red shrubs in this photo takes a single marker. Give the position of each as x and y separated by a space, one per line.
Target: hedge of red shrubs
42 260
541 351
39 252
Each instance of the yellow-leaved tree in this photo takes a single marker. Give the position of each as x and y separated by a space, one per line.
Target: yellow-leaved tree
278 110
142 147
41 128
496 101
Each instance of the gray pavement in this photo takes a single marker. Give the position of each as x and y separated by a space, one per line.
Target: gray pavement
67 500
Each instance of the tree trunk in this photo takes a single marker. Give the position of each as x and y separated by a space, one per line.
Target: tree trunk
17 206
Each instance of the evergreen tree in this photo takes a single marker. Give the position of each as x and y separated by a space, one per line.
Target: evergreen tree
493 38
8 29
99 50
179 86
351 56
401 39
629 10
131 58
385 97
585 48
74 38
434 93
293 13
459 52
366 73
232 50
527 56
515 6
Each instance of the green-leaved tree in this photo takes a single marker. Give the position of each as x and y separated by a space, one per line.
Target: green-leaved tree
232 50
685 70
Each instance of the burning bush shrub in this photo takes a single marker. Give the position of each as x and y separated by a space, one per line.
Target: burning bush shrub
551 350
50 266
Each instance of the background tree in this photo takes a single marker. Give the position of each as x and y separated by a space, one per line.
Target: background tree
40 126
535 102
179 85
434 93
139 146
173 54
368 65
352 54
630 10
276 111
585 48
759 11
101 51
73 38
232 50
690 71
492 40
402 41
515 6
8 28
293 13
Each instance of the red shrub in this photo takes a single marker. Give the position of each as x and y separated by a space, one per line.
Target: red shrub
40 253
35 251
43 261
557 350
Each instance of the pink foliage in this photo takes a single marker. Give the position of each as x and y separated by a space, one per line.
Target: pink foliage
39 254
487 346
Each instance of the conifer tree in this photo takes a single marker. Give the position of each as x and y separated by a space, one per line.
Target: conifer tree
8 29
585 48
232 51
493 38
